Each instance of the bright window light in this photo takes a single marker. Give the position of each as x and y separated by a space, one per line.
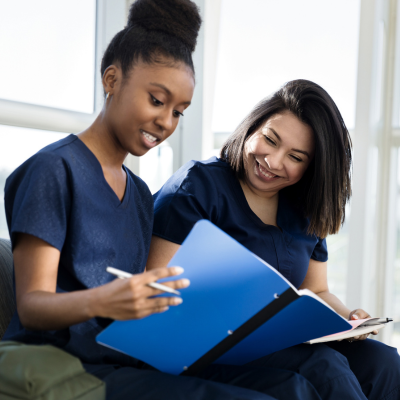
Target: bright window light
264 44
47 50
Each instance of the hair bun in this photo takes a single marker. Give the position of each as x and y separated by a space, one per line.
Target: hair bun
179 18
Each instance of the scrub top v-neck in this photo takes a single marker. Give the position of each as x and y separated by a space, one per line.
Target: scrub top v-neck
60 195
97 169
210 190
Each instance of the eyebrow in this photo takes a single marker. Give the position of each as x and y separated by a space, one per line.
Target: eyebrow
163 87
297 150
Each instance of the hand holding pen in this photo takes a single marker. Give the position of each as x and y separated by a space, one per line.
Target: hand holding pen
126 275
360 314
133 297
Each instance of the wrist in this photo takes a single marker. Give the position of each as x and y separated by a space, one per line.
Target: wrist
93 303
350 314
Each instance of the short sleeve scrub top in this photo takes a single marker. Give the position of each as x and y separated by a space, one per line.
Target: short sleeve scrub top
209 190
60 195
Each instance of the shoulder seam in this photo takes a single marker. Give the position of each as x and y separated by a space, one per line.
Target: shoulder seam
58 146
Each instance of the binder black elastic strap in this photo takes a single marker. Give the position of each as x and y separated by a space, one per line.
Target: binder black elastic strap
243 331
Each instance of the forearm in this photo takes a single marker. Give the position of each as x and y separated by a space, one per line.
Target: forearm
161 252
120 299
335 303
40 310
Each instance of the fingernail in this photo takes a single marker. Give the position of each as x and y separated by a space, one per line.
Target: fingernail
165 309
177 300
178 270
185 282
355 316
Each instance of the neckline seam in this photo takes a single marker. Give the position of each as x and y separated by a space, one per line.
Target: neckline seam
97 166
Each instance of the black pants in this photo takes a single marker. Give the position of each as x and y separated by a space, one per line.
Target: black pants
219 382
340 370
366 369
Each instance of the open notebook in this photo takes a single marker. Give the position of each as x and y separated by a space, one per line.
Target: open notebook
359 327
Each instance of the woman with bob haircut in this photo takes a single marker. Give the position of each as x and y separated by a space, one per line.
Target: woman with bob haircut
73 209
280 187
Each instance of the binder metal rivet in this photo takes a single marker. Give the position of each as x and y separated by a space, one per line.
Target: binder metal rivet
185 368
230 332
276 295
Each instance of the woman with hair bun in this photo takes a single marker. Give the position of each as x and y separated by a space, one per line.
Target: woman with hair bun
279 188
73 209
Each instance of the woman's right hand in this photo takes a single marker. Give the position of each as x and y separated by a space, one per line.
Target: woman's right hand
132 298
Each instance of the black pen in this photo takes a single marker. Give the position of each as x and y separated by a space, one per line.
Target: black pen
378 321
383 320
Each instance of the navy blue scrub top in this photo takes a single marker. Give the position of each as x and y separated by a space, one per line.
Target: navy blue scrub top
60 195
210 190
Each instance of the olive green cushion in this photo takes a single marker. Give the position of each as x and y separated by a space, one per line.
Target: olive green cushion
44 373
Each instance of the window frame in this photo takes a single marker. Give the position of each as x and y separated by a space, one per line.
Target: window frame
110 18
372 233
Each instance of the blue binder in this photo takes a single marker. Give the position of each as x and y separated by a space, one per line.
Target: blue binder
237 309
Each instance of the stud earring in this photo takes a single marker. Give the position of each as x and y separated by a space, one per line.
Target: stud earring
108 95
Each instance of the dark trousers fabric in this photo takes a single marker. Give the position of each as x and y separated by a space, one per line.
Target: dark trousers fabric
335 371
218 382
341 370
376 366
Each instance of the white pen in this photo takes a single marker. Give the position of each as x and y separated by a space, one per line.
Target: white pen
124 275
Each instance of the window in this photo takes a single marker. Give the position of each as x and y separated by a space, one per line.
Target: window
48 53
156 166
338 249
396 280
284 40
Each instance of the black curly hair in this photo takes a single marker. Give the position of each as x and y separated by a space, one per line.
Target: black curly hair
158 32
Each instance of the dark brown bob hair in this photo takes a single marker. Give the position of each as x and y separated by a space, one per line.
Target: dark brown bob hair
325 188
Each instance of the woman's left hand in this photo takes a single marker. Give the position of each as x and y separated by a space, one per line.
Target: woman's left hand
354 316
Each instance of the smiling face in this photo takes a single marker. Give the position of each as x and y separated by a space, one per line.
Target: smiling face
144 108
278 154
